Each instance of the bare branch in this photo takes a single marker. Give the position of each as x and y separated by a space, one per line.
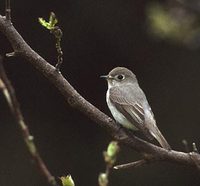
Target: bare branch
77 101
8 10
132 164
195 158
13 103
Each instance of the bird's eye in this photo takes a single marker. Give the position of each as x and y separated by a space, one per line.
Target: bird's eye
120 77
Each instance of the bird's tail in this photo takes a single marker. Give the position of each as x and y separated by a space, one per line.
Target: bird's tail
160 138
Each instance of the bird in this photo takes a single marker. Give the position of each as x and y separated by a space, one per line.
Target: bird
129 106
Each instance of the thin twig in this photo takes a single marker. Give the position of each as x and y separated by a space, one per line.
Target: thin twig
132 164
13 103
8 10
58 35
51 25
110 157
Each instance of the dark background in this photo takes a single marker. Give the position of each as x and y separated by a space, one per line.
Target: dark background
98 35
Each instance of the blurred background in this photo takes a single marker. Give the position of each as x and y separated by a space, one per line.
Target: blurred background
158 40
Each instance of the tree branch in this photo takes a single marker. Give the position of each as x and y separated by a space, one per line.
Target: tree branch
13 103
132 164
8 10
22 49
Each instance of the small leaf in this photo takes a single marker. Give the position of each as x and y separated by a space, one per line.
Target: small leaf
53 20
44 23
113 149
110 155
103 179
50 25
67 180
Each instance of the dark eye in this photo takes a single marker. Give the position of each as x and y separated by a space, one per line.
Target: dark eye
120 77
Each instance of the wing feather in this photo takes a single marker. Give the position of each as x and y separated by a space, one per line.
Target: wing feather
131 107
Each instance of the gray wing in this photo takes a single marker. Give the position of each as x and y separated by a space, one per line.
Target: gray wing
130 101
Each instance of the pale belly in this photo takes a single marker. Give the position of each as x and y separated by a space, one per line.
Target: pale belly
120 118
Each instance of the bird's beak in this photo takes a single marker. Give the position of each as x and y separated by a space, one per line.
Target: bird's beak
104 76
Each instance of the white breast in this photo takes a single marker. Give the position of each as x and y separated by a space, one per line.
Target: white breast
119 117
